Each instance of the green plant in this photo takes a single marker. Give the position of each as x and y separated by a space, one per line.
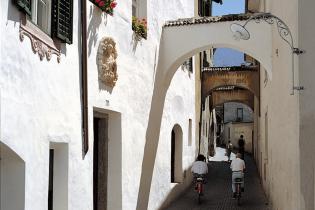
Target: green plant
139 26
105 5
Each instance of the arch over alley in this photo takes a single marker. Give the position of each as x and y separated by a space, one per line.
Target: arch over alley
200 34
243 77
225 96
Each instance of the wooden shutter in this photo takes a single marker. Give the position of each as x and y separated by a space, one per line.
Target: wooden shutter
24 5
204 8
200 9
62 20
190 64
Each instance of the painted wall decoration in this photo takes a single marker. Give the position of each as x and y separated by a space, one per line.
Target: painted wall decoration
106 61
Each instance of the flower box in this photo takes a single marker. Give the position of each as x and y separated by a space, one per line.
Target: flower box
139 26
105 5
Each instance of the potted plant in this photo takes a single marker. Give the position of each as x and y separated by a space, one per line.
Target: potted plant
139 26
105 5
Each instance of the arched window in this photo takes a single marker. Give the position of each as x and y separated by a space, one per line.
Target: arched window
176 154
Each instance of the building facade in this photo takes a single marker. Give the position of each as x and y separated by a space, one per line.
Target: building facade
43 152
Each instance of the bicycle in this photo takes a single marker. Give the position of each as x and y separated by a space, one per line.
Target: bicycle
238 188
199 180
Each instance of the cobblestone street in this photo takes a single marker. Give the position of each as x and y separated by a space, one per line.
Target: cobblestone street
218 194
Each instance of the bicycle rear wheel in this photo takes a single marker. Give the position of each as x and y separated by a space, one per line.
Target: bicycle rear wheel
199 192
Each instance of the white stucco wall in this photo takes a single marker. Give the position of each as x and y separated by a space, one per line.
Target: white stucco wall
236 130
307 107
278 152
177 100
40 102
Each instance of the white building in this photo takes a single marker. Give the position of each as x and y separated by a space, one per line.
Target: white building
152 105
41 109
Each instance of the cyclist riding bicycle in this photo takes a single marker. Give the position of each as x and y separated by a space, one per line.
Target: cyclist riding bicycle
237 167
200 166
199 169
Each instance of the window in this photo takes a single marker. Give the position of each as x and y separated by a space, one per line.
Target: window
205 62
41 13
239 114
206 129
176 154
190 132
134 8
188 64
139 20
204 8
54 17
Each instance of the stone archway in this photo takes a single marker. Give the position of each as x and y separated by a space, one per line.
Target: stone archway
199 34
246 78
240 96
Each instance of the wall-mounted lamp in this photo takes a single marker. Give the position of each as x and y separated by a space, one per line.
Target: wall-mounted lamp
240 32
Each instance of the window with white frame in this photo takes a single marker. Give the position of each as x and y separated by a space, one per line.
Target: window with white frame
41 14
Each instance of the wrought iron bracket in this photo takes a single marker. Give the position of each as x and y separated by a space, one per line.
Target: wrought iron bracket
298 87
285 33
298 51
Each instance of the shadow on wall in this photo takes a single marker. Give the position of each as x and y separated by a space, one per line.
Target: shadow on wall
13 14
178 190
95 21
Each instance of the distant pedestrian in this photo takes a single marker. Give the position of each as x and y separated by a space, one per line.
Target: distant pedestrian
241 146
229 148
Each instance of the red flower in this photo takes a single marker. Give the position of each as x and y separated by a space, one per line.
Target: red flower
97 1
101 4
113 5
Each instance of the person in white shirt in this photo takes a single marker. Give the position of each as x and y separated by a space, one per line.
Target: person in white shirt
237 167
200 167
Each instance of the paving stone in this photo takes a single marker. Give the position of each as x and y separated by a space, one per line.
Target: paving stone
218 191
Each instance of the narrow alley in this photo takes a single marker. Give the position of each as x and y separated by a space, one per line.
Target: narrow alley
218 194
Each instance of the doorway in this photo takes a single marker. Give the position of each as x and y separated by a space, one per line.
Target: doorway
173 156
100 162
58 176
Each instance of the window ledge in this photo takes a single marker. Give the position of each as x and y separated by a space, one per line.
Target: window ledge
41 43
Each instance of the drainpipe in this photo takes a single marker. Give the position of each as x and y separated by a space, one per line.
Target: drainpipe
201 101
84 85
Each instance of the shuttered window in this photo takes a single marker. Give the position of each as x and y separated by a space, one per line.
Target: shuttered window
204 8
62 17
24 5
190 68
